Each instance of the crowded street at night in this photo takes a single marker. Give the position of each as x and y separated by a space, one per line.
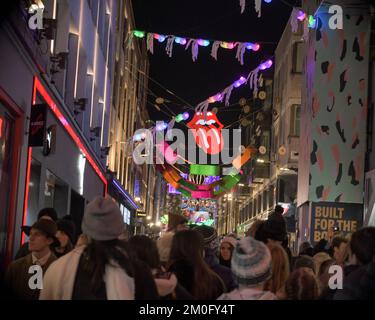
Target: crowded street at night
213 153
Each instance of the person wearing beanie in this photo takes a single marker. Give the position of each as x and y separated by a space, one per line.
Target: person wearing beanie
104 269
251 267
42 237
66 233
227 246
45 213
211 245
176 222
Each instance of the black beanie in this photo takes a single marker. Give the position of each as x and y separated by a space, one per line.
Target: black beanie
275 227
68 228
50 212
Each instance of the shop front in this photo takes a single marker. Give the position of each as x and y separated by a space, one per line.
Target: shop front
127 205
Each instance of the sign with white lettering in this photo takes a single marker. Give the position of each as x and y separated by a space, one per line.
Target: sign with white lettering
344 218
37 127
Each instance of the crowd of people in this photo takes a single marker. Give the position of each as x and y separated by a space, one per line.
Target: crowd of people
186 263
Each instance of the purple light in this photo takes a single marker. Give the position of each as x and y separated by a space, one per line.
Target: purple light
179 40
159 37
203 43
185 115
265 65
161 126
123 192
172 190
252 46
301 15
218 97
239 82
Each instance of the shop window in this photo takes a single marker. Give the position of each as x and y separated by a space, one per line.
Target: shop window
297 57
6 145
295 120
56 194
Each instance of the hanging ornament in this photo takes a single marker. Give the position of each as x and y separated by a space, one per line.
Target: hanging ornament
207 132
159 100
282 151
169 46
246 109
262 95
150 43
215 47
242 102
245 122
262 150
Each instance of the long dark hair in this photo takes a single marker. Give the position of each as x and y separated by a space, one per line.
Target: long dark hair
187 245
98 254
145 249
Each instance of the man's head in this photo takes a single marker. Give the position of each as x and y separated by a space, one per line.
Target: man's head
362 245
339 246
42 235
48 213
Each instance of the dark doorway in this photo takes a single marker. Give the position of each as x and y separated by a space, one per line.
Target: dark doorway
77 207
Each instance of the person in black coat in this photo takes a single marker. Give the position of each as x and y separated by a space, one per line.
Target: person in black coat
211 244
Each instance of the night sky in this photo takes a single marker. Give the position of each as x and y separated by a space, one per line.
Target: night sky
212 20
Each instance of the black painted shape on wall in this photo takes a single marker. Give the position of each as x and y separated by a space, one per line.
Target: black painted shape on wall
338 198
318 28
356 50
349 99
340 131
319 191
310 178
325 66
313 158
325 129
330 108
360 102
355 143
344 49
339 175
351 173
342 81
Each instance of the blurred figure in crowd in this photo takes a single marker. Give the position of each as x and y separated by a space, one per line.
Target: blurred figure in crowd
45 213
211 244
319 258
280 271
42 238
304 262
193 273
302 284
102 270
166 282
339 249
227 246
251 267
66 234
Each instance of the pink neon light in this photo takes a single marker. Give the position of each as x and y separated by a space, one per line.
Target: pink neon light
201 194
26 200
64 122
1 127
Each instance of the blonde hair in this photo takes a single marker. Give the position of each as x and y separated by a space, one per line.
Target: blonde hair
280 269
319 258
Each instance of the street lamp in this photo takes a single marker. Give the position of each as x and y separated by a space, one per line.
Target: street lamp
137 199
148 217
158 224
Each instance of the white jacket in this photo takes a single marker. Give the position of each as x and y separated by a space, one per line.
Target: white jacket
58 282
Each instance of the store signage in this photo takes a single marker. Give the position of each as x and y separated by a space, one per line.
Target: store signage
141 213
37 128
331 217
50 140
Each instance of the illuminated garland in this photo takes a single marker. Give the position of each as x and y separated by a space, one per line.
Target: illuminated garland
170 40
225 94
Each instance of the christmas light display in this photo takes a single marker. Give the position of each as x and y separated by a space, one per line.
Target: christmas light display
195 44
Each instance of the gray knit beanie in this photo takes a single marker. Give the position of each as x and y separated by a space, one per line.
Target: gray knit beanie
102 220
251 262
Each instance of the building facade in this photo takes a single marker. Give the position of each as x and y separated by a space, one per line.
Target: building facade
55 103
334 108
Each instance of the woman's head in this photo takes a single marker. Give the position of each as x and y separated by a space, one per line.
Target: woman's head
227 246
302 284
324 274
319 258
280 269
66 233
187 244
145 250
362 245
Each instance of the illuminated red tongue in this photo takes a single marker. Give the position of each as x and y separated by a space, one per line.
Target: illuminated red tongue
209 139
